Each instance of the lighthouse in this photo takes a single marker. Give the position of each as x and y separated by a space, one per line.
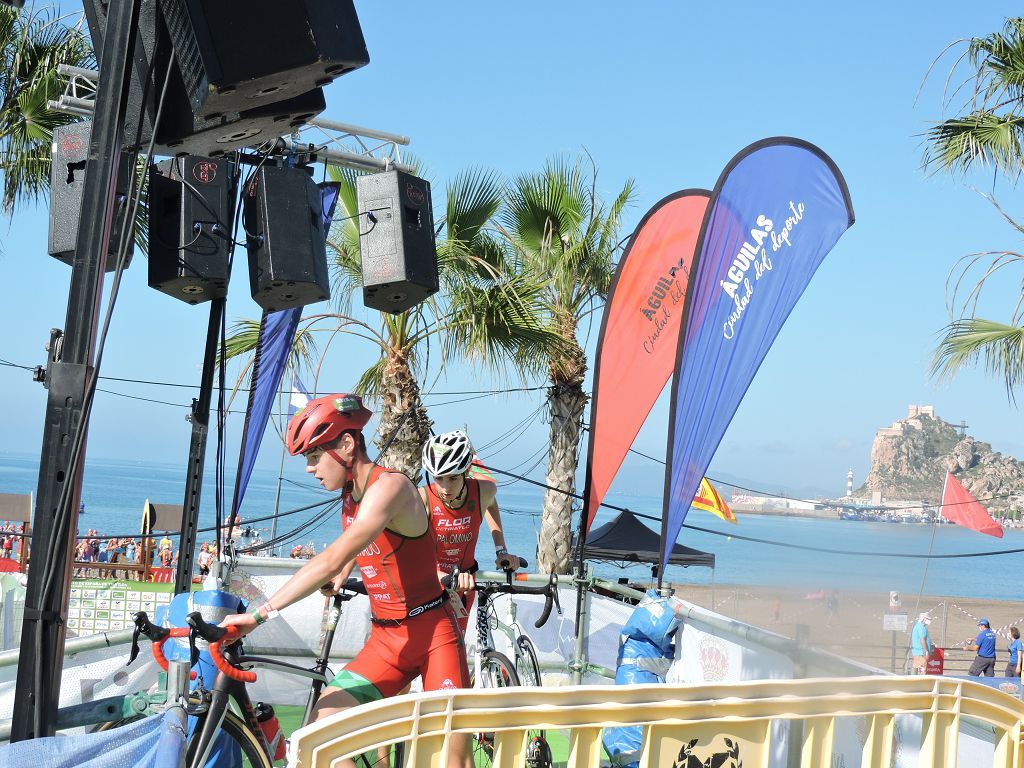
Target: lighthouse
849 484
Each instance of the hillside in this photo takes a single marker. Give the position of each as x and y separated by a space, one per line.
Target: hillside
909 460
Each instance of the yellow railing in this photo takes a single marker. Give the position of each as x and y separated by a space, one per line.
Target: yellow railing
730 720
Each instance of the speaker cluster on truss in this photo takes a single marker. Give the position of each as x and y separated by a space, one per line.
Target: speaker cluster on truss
209 77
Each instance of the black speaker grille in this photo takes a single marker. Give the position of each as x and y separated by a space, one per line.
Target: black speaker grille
186 47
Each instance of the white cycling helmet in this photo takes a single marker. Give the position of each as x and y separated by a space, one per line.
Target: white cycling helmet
448 454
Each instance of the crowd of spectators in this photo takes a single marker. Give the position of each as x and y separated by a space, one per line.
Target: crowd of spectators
11 535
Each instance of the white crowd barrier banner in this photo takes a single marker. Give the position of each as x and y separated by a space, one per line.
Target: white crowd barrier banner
90 675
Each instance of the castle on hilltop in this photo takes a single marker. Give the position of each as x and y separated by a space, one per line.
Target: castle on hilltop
899 427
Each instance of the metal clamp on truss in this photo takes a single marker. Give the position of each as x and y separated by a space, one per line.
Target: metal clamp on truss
79 96
342 144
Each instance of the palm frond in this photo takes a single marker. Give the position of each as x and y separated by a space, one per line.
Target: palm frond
981 139
472 199
987 133
32 45
244 337
343 240
496 325
1000 346
371 380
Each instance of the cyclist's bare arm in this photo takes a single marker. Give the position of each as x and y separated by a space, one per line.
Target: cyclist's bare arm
489 503
390 502
338 581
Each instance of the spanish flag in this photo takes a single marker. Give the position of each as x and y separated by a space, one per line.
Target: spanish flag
707 499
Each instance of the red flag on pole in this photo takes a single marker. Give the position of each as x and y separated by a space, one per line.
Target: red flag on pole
958 506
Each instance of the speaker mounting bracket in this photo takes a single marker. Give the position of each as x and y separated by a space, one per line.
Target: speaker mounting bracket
325 141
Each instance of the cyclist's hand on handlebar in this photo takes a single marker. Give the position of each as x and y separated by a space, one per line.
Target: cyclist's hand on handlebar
334 586
509 562
243 622
464 582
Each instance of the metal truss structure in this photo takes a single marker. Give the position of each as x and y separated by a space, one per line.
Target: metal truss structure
325 141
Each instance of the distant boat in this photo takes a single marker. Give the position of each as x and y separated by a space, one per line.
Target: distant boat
81 507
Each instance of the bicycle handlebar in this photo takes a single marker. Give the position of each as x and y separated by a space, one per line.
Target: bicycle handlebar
549 590
216 636
352 585
156 635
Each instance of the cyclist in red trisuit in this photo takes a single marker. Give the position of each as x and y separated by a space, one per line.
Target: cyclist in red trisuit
457 504
386 533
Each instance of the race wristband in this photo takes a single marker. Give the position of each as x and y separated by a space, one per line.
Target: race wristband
500 551
258 617
272 612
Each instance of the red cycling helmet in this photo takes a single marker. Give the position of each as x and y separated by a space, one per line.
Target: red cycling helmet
324 419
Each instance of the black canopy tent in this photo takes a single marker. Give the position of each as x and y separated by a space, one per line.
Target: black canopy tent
626 539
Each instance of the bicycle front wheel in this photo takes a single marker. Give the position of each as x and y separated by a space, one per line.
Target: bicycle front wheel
234 733
528 668
496 671
234 740
527 665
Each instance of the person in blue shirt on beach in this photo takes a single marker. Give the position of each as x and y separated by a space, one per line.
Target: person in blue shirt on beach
921 646
985 644
1016 655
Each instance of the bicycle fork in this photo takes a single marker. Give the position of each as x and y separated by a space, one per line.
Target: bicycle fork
484 641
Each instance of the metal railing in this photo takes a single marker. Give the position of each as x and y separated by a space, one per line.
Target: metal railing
719 724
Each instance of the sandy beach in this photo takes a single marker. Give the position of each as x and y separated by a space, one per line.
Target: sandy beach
855 628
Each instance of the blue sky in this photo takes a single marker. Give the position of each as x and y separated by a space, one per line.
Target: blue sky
664 93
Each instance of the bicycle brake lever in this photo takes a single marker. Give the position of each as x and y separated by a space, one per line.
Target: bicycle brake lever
193 652
134 653
553 583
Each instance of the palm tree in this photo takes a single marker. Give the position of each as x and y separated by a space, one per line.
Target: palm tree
32 44
559 233
483 313
987 135
989 132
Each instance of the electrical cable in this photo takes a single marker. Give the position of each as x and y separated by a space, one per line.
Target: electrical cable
526 422
63 511
772 542
8 363
309 526
209 529
831 503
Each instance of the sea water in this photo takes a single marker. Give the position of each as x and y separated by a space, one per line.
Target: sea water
789 551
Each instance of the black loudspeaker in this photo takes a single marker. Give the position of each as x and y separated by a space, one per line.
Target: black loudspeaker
190 210
285 236
70 149
396 245
183 133
238 54
180 131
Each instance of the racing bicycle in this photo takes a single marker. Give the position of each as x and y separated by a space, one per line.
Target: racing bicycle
491 668
219 726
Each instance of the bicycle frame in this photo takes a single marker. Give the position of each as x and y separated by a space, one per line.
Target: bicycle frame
225 689
485 632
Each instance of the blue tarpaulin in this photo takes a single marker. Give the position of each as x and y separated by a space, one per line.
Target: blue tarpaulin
156 741
645 654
